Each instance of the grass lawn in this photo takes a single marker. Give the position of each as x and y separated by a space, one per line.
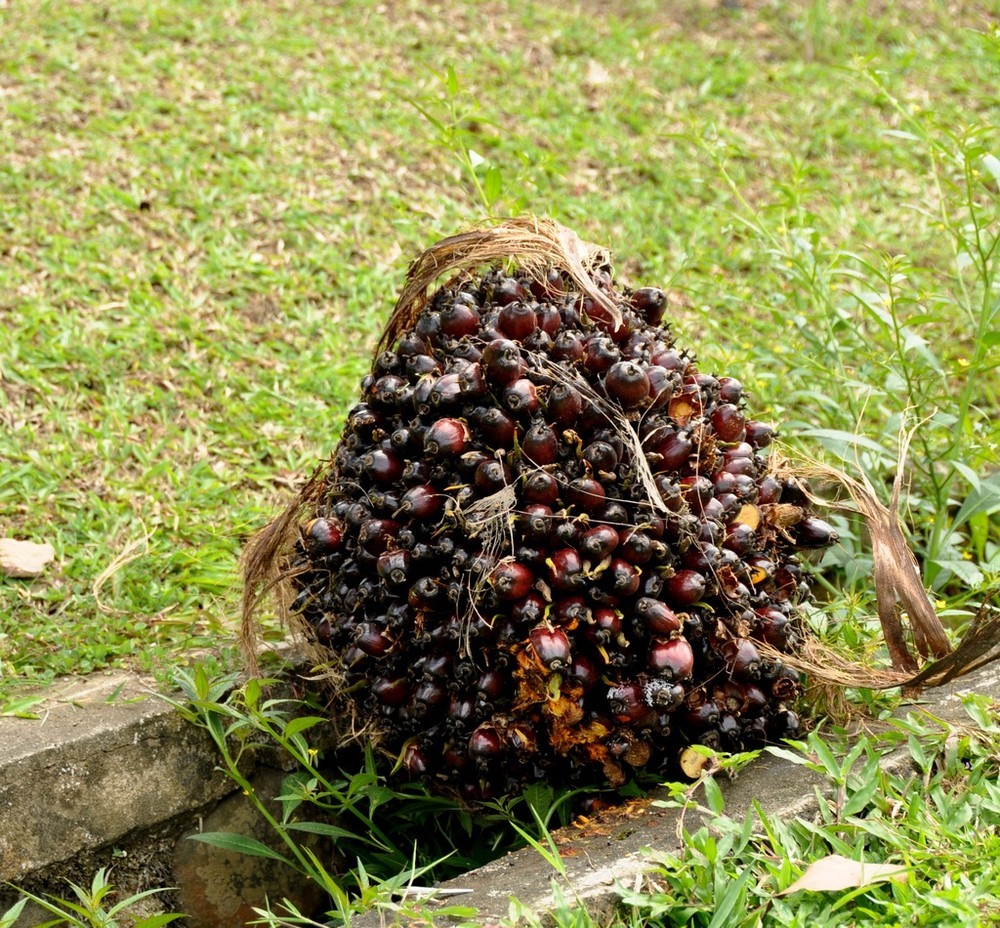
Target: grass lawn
207 208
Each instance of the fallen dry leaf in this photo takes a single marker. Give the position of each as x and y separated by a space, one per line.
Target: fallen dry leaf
24 558
833 873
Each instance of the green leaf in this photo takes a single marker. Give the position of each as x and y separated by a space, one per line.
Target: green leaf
8 918
451 81
303 723
492 185
321 828
727 904
713 796
241 844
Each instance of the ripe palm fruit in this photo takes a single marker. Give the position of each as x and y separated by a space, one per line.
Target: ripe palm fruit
547 542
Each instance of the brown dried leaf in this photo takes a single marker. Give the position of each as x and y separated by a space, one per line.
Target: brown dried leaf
536 244
834 873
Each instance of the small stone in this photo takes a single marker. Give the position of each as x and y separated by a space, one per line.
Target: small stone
24 558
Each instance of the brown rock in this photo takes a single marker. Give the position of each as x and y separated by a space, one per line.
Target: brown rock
24 558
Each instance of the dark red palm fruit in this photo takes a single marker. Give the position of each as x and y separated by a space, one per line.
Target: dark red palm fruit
393 567
567 347
665 697
740 538
416 761
472 382
627 704
759 434
697 490
459 319
699 711
569 611
598 542
786 684
322 536
446 438
411 344
755 700
740 466
606 626
674 449
551 646
496 427
461 708
486 742
429 699
627 383
658 618
612 513
521 397
548 319
634 546
375 535
758 568
639 345
813 532
383 467
564 404
530 610
491 475
566 533
445 391
661 386
650 303
742 659
671 658
601 317
583 672
391 692
670 358
730 391
535 522
728 728
509 290
601 456
323 631
566 569
624 578
425 593
422 365
585 493
517 320
511 581
502 361
492 684
540 487
784 724
769 490
728 422
470 461
599 353
372 639
385 391
773 626
684 588
540 443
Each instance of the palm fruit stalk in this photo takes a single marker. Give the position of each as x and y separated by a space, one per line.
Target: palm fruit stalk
548 545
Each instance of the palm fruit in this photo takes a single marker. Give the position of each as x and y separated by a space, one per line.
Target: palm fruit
548 543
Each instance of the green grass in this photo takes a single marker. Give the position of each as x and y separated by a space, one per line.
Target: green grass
208 208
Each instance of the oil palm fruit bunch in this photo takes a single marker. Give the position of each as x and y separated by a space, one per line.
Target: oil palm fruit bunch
549 546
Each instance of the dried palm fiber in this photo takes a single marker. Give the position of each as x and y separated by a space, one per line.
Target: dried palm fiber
547 545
